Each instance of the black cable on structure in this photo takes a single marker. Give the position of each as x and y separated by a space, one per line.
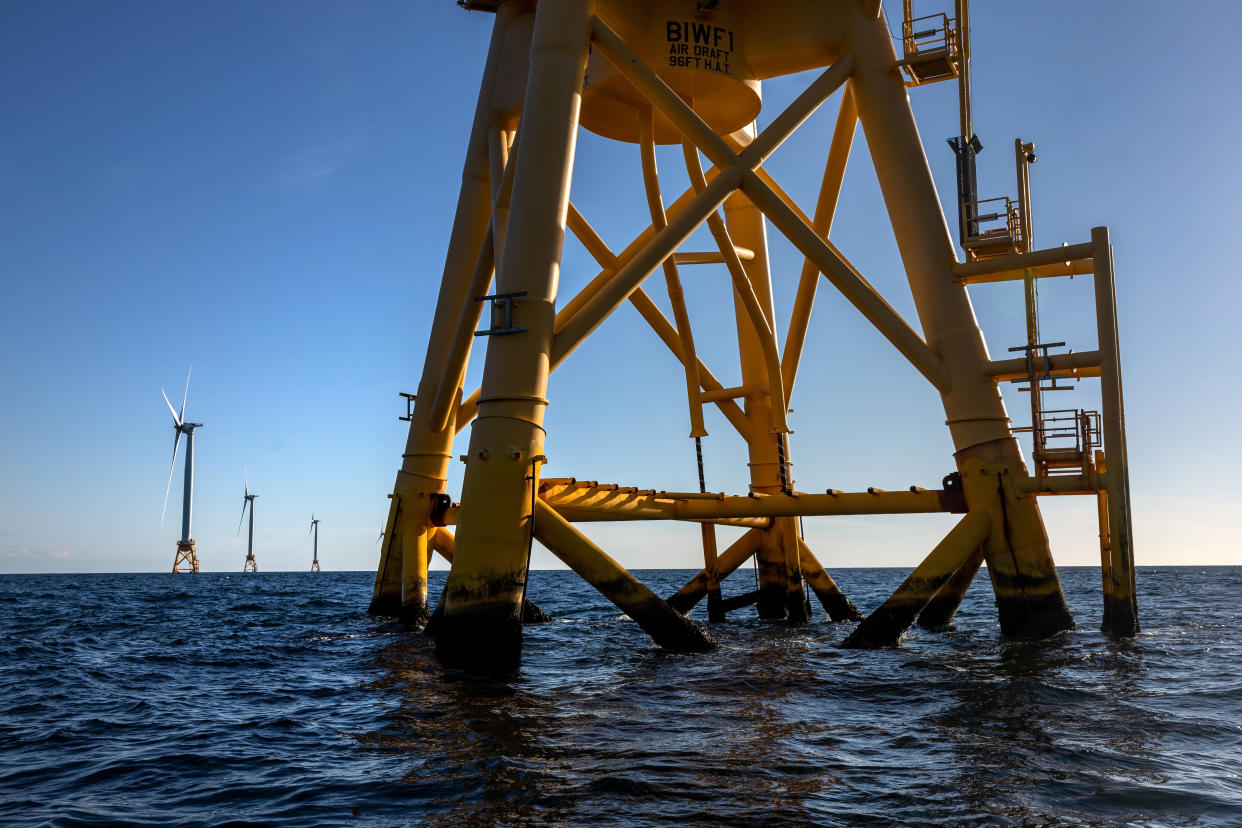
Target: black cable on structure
530 539
698 450
780 456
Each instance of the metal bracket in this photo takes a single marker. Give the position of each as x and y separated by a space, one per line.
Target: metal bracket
1032 377
409 406
502 313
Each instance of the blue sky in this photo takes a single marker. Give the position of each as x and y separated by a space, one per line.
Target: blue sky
264 191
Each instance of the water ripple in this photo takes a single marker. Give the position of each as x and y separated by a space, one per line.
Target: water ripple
275 700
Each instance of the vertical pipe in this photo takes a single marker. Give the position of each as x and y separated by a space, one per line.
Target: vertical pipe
746 228
1024 195
1106 575
481 627
250 536
1029 598
428 450
795 591
962 12
676 297
415 557
1123 617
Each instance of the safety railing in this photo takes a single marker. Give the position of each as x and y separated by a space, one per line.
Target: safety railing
930 48
1063 441
994 227
931 33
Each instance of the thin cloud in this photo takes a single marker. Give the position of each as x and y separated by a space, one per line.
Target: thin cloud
317 160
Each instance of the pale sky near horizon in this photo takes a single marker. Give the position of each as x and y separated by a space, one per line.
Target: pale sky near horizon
264 191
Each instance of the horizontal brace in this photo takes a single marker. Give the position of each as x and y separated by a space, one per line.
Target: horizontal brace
1073 364
1050 262
588 504
712 257
735 393
740 601
1069 484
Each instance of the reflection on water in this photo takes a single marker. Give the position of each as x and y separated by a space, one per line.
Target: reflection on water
780 726
323 716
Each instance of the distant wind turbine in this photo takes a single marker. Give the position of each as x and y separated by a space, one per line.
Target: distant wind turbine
248 500
314 528
187 558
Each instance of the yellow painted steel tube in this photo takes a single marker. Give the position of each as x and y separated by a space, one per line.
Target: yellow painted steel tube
424 466
481 626
1106 559
1030 602
502 188
1075 363
572 309
608 260
642 303
768 467
709 257
666 626
794 115
415 556
833 599
632 273
943 606
676 296
825 212
738 553
844 278
660 96
1012 267
664 329
797 609
884 627
715 612
759 316
443 542
493 245
386 597
1069 484
1123 615
972 402
445 401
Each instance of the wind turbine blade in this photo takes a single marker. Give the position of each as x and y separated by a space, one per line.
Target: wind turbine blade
168 488
186 394
245 503
172 410
245 480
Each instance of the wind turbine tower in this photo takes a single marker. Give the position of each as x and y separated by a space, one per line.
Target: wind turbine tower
248 500
314 525
186 559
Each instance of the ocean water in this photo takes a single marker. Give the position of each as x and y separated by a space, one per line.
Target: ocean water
273 699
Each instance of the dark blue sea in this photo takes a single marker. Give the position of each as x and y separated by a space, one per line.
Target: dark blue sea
273 699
